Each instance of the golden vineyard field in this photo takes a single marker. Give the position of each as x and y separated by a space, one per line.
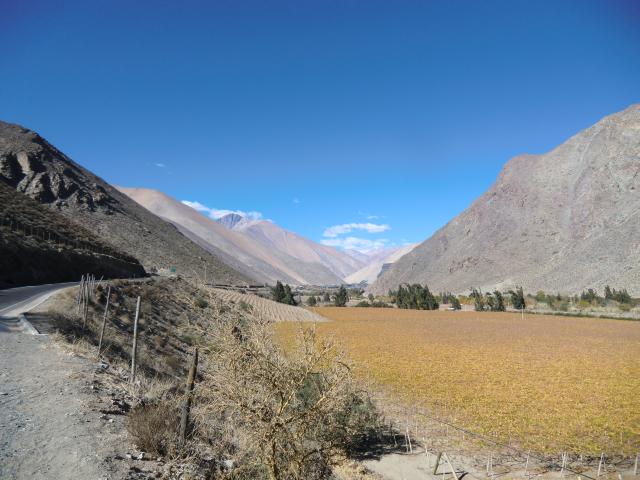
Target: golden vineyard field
550 383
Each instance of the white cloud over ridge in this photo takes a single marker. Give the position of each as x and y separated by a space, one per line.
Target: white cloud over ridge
336 230
217 213
362 245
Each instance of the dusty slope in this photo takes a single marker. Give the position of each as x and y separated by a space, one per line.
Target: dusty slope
47 429
33 166
562 221
38 245
294 245
239 250
370 272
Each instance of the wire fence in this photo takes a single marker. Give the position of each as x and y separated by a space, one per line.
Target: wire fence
430 447
58 239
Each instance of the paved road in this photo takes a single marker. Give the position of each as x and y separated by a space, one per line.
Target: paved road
15 301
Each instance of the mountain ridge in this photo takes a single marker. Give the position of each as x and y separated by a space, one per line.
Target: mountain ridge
561 221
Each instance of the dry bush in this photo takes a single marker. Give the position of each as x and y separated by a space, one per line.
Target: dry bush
154 427
288 416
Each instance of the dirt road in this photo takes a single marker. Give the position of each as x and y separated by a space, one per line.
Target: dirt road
48 429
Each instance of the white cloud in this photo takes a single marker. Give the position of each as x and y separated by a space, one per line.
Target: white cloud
334 231
216 213
160 165
362 245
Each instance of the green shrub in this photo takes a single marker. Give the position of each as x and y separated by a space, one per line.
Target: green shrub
624 307
200 303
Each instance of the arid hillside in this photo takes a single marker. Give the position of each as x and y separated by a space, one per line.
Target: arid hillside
293 245
236 248
38 246
36 168
560 222
370 272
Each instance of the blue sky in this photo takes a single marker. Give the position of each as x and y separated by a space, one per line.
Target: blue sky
316 114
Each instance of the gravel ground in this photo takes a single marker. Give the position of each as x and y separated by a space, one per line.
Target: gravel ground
48 428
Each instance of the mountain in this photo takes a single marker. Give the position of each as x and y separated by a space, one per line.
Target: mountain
562 221
277 238
231 220
33 166
381 261
38 246
361 257
241 251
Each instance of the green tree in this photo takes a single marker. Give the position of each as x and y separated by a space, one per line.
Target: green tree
326 298
415 297
278 292
478 300
288 296
496 302
341 298
455 303
311 301
517 299
608 294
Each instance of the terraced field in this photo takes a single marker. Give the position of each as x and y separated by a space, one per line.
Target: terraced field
269 309
546 383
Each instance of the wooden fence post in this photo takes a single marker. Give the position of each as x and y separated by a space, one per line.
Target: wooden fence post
85 310
600 464
79 298
104 320
435 468
453 470
186 407
135 342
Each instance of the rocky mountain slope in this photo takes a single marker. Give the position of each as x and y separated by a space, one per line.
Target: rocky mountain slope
231 220
40 246
33 166
278 239
562 221
235 247
379 263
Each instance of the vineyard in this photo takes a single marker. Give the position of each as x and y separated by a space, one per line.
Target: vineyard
545 383
269 309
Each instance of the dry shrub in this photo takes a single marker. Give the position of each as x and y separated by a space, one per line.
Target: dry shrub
291 416
154 427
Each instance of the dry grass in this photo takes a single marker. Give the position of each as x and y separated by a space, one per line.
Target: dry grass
268 309
548 383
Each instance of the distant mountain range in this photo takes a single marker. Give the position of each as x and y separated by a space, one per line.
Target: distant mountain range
257 248
559 222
